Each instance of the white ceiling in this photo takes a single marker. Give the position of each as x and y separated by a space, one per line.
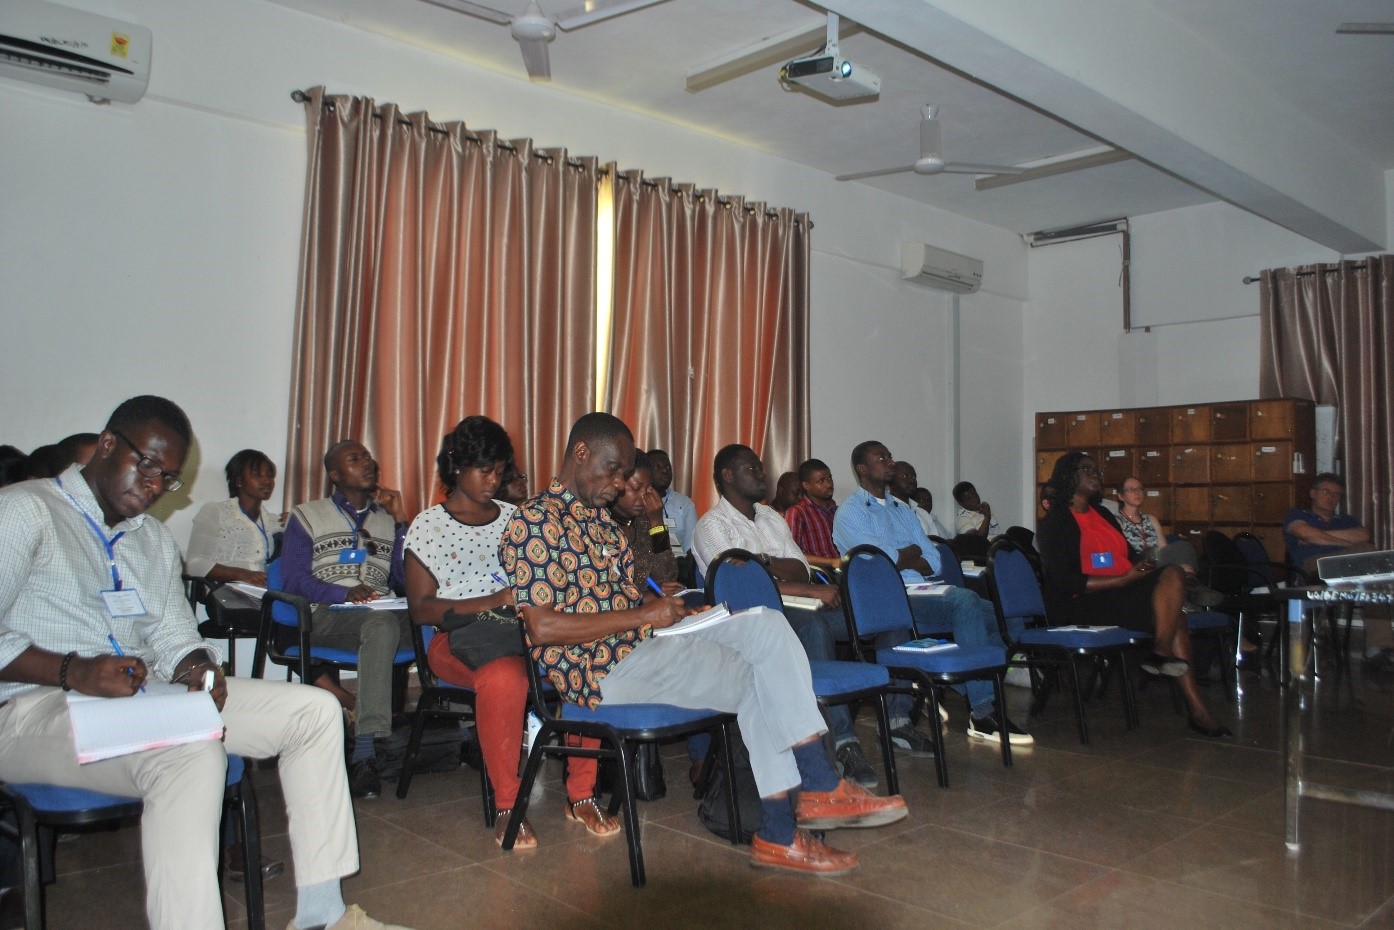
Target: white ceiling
1258 102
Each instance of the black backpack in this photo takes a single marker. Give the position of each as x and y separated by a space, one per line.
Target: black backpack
712 811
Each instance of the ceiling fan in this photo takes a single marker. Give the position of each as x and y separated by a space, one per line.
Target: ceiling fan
534 29
931 160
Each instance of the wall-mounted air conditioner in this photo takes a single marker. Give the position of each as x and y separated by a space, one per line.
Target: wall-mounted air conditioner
950 271
44 43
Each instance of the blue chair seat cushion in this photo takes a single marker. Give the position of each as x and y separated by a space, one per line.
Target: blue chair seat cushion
831 678
636 716
57 799
347 657
1207 620
953 661
1075 639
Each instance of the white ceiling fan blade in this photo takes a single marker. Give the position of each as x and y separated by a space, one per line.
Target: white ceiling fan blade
1064 166
770 50
593 11
857 176
536 59
475 9
968 167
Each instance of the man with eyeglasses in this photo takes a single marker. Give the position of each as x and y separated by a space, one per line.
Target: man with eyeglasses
346 549
91 601
1309 533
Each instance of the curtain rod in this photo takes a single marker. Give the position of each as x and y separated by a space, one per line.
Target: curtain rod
1249 279
299 96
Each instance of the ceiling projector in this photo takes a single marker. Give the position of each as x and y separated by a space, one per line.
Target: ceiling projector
830 75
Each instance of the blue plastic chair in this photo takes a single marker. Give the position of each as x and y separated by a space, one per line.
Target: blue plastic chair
737 580
281 612
1016 595
949 569
874 601
618 727
53 807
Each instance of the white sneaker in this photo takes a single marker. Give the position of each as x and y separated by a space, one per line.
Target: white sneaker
986 729
355 918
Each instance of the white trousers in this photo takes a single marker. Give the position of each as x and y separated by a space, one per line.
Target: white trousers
183 788
752 665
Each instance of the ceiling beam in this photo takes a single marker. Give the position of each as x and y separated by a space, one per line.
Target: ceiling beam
1176 101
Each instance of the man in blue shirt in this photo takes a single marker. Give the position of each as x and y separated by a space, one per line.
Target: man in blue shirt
679 513
1310 533
874 516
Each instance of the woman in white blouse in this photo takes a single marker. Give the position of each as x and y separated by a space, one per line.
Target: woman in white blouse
233 539
456 583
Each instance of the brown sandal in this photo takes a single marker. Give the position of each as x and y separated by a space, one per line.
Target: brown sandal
589 814
525 839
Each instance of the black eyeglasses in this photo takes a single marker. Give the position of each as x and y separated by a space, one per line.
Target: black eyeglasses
1091 471
147 467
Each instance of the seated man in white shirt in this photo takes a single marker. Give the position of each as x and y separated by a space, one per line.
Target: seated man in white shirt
973 515
91 601
740 521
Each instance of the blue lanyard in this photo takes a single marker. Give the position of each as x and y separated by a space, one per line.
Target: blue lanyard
265 540
355 524
109 545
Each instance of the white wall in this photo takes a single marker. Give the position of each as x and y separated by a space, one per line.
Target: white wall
153 248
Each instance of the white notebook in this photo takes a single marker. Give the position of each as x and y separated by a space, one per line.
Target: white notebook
382 603
709 617
165 715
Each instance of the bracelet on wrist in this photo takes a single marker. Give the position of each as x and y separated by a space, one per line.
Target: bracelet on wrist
63 671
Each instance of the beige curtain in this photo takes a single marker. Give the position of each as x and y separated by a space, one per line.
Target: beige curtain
443 273
1326 333
710 328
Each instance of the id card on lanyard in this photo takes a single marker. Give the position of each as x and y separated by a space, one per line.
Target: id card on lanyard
120 600
358 555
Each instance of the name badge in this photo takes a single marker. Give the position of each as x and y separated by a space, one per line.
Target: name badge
124 603
353 556
1101 559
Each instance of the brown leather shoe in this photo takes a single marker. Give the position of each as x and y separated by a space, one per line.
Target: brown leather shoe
847 805
805 855
597 823
526 839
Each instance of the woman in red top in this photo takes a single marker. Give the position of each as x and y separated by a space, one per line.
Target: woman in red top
1093 578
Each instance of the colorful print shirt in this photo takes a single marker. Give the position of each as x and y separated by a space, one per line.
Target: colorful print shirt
563 555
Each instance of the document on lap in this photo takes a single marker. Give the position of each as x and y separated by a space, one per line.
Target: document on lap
926 587
165 715
709 617
801 602
382 603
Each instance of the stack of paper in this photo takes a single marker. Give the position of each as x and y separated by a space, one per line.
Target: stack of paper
163 715
926 587
801 602
698 621
382 603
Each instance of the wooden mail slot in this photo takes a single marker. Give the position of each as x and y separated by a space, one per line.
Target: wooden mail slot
1231 503
1272 461
1153 427
1231 462
1272 419
1272 502
1117 428
1229 422
1083 430
1045 464
1154 465
1191 505
1051 431
1190 424
1190 464
1157 502
1117 464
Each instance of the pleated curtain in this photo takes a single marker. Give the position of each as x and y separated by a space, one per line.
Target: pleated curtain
709 339
443 273
1326 333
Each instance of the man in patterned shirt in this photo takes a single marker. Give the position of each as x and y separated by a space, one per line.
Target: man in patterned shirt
592 629
811 519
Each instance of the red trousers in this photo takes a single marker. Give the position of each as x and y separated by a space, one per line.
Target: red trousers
501 701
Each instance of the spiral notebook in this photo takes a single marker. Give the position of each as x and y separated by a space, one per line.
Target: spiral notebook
164 715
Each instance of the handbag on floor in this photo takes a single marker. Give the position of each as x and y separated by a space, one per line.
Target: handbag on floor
712 811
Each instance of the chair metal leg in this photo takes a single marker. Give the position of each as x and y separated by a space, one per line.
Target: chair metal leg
1081 721
630 806
883 731
941 765
249 829
29 864
1000 696
733 809
418 726
520 806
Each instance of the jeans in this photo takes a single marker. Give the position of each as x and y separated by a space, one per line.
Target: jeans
973 623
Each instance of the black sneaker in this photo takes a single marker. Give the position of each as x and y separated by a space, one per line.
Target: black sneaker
986 729
364 780
1169 666
853 765
912 741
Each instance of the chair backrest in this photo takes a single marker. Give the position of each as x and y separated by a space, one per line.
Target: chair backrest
1012 582
737 580
281 612
1256 555
1221 553
949 569
873 594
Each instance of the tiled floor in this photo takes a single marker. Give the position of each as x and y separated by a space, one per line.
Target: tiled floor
1153 828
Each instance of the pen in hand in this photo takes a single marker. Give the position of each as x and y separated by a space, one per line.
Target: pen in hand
654 584
117 646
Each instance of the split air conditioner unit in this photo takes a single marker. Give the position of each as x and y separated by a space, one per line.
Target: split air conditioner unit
933 267
44 43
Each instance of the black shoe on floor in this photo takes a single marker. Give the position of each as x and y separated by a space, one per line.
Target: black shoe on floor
912 741
364 779
1218 731
854 766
